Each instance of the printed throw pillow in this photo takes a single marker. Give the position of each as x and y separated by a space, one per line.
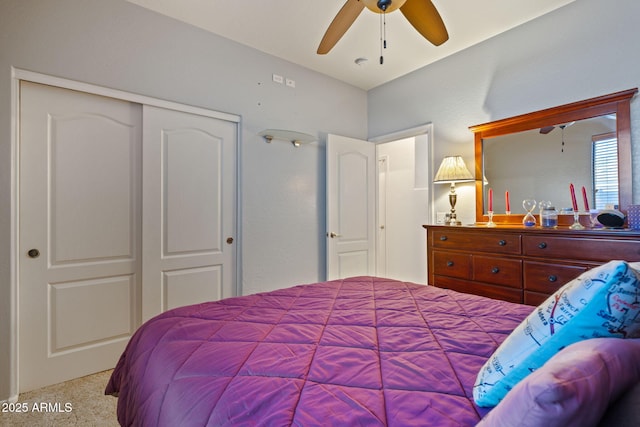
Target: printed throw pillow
602 302
574 388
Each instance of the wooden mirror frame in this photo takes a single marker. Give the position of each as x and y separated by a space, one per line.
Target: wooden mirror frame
616 103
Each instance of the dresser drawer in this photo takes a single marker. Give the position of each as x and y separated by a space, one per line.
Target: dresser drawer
534 298
491 291
548 278
478 242
580 248
451 264
498 271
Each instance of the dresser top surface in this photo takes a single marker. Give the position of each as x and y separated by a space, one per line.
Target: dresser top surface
560 230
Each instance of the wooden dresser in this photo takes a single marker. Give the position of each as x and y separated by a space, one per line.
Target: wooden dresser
517 264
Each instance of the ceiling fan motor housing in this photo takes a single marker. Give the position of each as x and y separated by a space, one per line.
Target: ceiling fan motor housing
383 6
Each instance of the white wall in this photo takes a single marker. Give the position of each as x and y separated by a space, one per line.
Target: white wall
585 49
120 45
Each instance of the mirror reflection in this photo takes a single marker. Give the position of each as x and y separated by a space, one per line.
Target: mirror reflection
541 164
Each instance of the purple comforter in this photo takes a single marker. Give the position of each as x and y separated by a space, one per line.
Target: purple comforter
360 351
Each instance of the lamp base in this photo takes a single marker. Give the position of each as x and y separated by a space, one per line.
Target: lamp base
454 222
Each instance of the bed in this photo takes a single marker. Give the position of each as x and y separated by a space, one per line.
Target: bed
359 351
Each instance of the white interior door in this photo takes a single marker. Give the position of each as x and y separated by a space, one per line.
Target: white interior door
189 227
351 194
79 227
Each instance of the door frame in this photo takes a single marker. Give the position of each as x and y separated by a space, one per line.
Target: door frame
17 75
425 129
421 130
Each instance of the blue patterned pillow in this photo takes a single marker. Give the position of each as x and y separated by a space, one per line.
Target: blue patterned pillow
602 302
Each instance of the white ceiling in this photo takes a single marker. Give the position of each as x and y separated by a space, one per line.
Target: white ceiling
292 30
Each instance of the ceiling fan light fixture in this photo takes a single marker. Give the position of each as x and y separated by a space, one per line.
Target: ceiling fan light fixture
383 6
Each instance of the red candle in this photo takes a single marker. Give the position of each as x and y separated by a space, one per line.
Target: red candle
573 198
491 199
586 200
506 201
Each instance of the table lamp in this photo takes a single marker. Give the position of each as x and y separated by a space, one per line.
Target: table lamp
452 170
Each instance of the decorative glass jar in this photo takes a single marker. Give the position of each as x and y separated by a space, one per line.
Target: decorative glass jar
549 217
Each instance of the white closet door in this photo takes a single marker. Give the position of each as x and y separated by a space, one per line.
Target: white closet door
189 216
79 228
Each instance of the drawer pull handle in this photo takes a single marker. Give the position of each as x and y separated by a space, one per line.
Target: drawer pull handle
495 270
553 278
542 245
502 243
443 238
449 263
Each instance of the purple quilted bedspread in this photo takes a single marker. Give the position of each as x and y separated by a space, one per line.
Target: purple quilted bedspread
360 351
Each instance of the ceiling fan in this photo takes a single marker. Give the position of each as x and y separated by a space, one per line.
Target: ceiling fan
547 129
422 14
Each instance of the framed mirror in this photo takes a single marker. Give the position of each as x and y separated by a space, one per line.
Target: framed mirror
539 155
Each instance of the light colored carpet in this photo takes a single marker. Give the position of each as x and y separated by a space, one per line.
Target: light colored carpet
79 402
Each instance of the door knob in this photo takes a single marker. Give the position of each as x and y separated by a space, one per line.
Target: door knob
229 240
33 253
332 235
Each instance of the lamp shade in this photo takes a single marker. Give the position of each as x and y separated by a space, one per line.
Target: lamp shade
453 169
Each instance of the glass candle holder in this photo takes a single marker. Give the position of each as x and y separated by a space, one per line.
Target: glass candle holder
576 222
491 223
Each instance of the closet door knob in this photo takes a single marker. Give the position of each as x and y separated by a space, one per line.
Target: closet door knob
33 253
229 240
